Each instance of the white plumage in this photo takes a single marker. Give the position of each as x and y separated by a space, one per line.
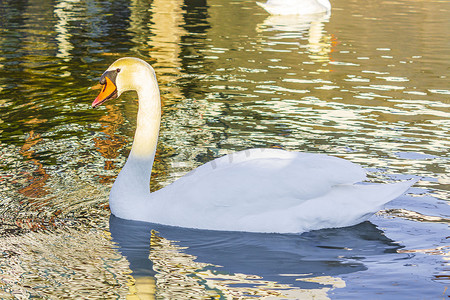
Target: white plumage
257 190
296 7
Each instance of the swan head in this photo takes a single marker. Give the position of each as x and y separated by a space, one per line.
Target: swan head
125 74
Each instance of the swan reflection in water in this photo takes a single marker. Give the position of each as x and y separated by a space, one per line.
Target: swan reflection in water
182 262
310 27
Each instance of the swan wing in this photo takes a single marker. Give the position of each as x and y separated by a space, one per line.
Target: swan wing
258 180
339 170
345 205
271 190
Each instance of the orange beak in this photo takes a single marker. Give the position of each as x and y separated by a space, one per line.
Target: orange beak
109 91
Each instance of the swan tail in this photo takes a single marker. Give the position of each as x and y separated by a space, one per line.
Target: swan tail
362 201
384 193
345 205
264 6
351 205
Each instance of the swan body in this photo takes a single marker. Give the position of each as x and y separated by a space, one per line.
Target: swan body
256 190
296 7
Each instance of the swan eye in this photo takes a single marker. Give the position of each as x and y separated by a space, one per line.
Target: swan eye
111 75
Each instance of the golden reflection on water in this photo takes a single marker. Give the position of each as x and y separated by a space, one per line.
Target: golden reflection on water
54 265
64 12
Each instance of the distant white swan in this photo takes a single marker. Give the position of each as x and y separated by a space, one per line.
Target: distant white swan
295 7
258 190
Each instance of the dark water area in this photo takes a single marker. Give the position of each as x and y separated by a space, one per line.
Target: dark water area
369 83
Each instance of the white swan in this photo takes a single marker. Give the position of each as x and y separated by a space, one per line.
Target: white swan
258 190
296 7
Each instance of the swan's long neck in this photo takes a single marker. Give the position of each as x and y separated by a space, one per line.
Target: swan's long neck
148 121
133 182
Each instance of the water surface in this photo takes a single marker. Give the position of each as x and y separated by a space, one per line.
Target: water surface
369 83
